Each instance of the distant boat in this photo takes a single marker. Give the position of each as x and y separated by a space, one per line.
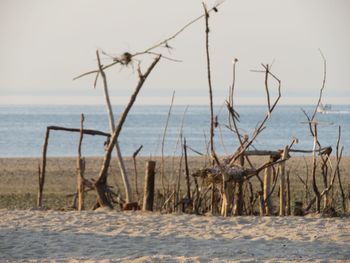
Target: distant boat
324 108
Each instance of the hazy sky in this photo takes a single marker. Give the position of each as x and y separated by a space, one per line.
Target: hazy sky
45 43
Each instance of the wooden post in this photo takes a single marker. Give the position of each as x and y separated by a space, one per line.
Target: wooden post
288 195
298 209
212 199
43 170
80 168
282 168
267 189
148 195
238 211
187 172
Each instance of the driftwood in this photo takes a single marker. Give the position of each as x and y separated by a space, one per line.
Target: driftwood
80 169
283 183
267 190
128 192
135 171
42 168
148 195
100 184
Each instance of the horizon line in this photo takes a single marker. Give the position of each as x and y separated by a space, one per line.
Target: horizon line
162 100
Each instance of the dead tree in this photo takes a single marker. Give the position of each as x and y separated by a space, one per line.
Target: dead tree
125 59
313 130
123 172
100 183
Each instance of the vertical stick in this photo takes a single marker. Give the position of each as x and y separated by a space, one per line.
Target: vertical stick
148 195
238 211
42 171
163 144
267 189
282 168
338 173
212 149
314 165
80 168
238 208
135 169
288 196
187 172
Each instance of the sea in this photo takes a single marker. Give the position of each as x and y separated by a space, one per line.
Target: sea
22 129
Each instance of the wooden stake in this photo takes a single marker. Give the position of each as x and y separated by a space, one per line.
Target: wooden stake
135 169
288 196
148 195
80 169
282 168
267 189
187 172
43 170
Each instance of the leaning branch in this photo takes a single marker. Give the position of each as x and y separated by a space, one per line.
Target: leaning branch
100 183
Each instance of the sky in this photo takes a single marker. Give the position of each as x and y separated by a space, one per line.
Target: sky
45 44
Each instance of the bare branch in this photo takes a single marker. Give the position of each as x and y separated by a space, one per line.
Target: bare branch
323 84
212 149
99 184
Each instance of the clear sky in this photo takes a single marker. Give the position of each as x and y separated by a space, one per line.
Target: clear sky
45 43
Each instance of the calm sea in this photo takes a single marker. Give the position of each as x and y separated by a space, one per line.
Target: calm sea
22 129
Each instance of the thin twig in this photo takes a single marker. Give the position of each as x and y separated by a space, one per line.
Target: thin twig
163 140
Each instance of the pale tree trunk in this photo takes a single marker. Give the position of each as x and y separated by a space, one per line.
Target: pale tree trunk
100 184
128 191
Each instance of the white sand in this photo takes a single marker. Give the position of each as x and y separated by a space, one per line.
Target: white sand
146 237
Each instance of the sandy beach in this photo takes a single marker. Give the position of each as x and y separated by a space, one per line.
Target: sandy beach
109 236
31 235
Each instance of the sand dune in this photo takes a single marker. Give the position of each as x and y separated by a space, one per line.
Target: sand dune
111 236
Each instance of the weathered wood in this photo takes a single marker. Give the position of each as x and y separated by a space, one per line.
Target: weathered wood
282 168
276 154
148 195
80 183
267 189
227 199
135 171
298 209
100 183
80 168
238 208
42 171
85 131
314 165
187 172
213 155
123 172
288 196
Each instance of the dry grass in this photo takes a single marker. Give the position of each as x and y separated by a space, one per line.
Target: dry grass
19 178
